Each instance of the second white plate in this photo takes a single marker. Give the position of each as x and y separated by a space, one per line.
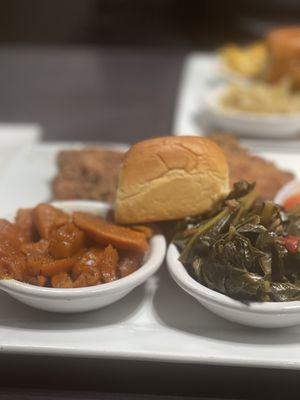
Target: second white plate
200 75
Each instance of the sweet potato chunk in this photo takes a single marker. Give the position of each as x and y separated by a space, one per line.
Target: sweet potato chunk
12 261
13 266
49 266
10 234
35 249
146 230
106 233
66 241
24 220
61 280
109 264
129 262
81 281
47 218
39 280
8 248
96 266
41 262
87 270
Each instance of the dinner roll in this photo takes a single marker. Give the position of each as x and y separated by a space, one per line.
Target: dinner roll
169 178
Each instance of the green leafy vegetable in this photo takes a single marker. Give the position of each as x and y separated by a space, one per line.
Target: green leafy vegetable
245 250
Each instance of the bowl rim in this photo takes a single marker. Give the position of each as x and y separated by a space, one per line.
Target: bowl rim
154 258
190 285
211 104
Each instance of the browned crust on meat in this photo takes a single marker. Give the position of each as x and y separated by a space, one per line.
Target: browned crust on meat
90 174
243 165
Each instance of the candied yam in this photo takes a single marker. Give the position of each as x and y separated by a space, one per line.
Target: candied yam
8 229
80 281
52 267
24 220
12 261
96 266
110 258
35 249
10 234
129 262
39 280
61 280
106 233
146 230
13 267
48 266
89 278
46 218
88 268
66 241
8 248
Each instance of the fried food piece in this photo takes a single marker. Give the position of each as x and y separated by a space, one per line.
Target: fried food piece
47 218
61 280
284 56
106 233
87 174
66 241
249 61
87 270
129 262
24 220
245 166
109 264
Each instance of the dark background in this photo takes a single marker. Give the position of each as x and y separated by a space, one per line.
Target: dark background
109 70
148 23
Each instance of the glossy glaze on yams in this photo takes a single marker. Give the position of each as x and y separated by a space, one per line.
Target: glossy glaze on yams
47 218
24 221
66 241
104 232
12 261
47 247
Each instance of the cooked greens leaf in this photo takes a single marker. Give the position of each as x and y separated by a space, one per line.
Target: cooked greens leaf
243 249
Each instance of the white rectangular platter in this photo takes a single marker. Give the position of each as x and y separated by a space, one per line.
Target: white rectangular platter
157 321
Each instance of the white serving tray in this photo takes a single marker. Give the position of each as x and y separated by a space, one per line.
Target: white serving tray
200 74
157 321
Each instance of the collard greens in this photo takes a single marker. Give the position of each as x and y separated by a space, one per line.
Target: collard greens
245 250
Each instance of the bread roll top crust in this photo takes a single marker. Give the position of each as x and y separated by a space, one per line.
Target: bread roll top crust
169 178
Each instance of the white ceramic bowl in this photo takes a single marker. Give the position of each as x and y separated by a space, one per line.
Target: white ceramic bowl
247 123
263 315
86 298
